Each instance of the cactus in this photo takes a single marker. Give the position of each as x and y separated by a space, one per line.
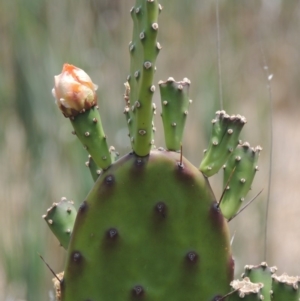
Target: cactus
60 218
261 283
151 228
261 274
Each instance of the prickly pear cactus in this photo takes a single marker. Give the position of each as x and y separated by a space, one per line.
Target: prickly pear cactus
151 227
261 283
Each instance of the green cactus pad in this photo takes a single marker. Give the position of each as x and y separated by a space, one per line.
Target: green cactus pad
175 103
285 288
246 290
244 162
149 229
225 137
144 49
89 130
261 273
60 218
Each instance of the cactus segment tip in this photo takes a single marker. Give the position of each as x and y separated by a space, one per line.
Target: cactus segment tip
60 218
175 104
292 281
224 139
246 287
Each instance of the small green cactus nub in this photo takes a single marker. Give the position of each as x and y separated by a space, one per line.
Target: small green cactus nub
285 288
225 136
60 218
261 273
244 162
144 49
246 290
175 103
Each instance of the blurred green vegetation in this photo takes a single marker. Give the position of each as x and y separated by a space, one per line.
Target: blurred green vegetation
41 161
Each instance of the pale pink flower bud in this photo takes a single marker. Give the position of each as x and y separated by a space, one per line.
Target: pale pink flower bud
74 91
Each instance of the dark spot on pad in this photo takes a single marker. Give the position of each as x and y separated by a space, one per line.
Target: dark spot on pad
161 209
109 180
83 207
138 291
216 216
192 257
180 165
112 233
139 162
184 174
138 166
76 257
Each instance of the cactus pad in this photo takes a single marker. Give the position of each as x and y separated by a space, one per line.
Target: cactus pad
149 228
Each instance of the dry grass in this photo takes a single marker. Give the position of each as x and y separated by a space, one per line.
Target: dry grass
41 161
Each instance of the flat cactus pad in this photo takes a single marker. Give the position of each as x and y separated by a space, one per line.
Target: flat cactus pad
149 229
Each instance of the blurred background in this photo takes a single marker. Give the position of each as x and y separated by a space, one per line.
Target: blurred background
41 161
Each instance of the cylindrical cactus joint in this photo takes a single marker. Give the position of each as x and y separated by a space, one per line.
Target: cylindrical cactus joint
261 273
240 169
143 49
175 104
75 95
225 137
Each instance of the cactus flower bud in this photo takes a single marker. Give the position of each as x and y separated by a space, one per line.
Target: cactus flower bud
74 91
